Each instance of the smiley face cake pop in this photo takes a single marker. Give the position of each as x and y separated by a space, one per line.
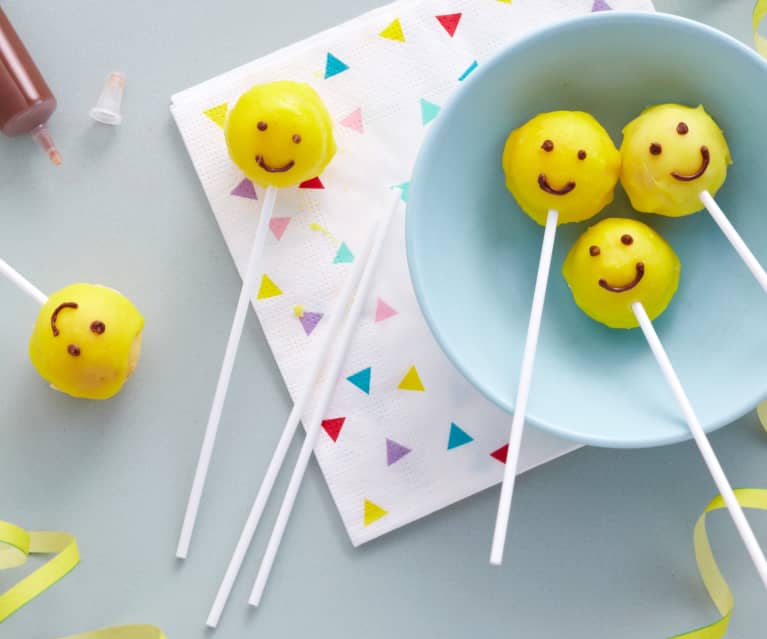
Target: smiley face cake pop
563 160
671 153
618 262
280 134
87 341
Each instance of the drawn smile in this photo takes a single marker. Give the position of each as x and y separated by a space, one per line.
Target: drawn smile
273 169
704 152
626 287
543 182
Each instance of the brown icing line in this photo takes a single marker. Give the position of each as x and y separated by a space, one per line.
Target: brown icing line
706 155
273 169
55 315
543 182
627 287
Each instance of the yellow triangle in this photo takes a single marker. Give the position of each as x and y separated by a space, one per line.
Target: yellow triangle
373 512
505 1
411 381
298 311
218 113
393 31
268 289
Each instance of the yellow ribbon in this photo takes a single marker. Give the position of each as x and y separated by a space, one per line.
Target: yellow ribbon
16 544
760 42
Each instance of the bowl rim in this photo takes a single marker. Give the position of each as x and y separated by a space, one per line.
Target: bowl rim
640 18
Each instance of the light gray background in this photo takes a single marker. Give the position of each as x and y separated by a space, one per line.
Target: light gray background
600 540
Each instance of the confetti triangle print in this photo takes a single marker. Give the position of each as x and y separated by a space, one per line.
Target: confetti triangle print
458 437
450 22
501 453
361 380
268 289
393 31
334 66
314 183
395 451
353 121
373 512
600 5
343 255
218 113
333 427
309 321
277 226
429 111
505 1
383 311
404 187
411 381
468 71
245 189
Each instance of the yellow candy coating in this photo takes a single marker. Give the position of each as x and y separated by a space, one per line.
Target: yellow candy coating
87 341
567 152
618 262
280 134
670 154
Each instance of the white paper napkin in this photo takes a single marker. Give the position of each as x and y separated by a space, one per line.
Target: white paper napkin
405 434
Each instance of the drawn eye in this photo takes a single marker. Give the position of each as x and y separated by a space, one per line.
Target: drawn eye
581 154
627 239
73 350
656 149
297 139
98 327
547 146
594 250
262 126
682 128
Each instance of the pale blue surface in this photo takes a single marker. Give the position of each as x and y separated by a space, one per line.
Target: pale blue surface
473 253
600 541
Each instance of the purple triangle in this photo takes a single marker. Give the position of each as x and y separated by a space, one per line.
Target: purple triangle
395 451
600 5
309 321
245 189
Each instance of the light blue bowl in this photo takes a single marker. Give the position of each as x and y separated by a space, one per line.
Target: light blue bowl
473 254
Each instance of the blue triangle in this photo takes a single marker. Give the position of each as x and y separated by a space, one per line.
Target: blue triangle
361 380
344 255
458 437
429 111
334 66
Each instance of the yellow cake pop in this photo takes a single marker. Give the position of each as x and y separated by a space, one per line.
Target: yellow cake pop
280 134
618 262
562 160
671 153
87 340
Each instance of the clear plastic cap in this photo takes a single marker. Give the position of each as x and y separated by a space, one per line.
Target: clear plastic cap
107 109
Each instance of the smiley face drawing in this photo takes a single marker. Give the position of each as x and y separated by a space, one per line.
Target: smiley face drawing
87 341
561 160
280 134
618 262
670 154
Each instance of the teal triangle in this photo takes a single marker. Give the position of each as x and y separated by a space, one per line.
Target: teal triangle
429 111
344 255
361 380
404 187
334 66
458 437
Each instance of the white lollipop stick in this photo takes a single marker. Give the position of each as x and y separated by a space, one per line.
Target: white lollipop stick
709 457
288 432
737 242
326 393
523 390
247 291
22 283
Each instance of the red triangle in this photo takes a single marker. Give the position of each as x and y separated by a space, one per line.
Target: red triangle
450 22
333 427
501 453
314 183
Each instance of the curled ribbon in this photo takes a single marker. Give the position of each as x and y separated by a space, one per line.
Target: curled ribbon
16 544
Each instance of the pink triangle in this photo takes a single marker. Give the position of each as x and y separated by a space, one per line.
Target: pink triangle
450 22
353 121
600 5
245 189
277 226
383 311
395 451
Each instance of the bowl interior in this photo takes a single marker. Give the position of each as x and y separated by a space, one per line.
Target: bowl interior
473 254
